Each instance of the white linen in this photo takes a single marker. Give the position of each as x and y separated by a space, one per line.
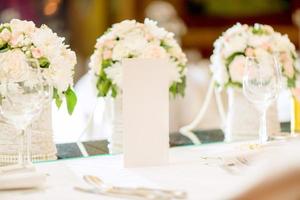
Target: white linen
22 180
188 170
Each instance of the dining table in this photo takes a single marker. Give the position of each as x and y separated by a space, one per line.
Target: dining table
199 170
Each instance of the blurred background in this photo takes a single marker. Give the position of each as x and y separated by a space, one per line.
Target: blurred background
196 24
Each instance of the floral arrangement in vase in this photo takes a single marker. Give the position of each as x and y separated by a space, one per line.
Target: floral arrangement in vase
228 63
241 41
24 46
131 39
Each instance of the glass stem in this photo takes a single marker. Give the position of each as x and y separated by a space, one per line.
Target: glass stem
24 151
263 135
28 146
21 148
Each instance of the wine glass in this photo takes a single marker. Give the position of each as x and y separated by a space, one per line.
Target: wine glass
261 85
22 102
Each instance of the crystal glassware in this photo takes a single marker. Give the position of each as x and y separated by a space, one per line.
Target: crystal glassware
261 85
22 102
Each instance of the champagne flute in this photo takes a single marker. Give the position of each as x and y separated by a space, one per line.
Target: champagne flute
261 84
21 104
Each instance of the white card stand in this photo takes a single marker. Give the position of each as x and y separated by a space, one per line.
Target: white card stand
145 112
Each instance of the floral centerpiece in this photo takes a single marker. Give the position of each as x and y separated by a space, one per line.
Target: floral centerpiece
24 46
28 54
130 39
240 41
229 56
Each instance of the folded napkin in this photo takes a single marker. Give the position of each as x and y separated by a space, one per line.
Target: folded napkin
22 180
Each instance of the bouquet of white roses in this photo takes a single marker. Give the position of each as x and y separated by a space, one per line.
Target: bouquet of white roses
24 46
130 39
240 41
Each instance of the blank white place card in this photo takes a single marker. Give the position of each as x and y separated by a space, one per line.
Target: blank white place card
145 111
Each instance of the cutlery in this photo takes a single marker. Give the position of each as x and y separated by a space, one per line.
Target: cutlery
115 194
235 165
146 192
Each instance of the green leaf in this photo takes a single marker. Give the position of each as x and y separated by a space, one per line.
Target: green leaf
293 55
44 62
173 89
104 83
233 84
103 87
71 100
5 27
291 82
56 97
3 46
106 63
181 86
258 31
114 91
164 45
231 58
2 43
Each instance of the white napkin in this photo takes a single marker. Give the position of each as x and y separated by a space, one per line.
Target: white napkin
22 180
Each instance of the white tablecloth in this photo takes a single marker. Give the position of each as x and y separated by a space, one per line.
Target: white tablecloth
187 170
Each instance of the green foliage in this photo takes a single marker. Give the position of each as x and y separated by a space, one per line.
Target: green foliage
233 84
71 100
178 88
70 96
56 97
258 31
3 47
231 58
164 45
104 83
114 91
44 62
291 82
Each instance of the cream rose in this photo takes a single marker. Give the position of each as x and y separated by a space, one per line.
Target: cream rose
13 66
236 68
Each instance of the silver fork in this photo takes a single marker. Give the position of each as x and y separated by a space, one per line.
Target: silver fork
235 165
149 193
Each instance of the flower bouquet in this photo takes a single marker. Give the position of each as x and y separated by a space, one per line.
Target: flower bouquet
228 61
24 50
131 39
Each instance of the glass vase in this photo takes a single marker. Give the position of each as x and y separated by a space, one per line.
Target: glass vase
241 119
115 138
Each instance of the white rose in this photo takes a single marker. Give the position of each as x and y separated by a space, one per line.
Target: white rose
135 42
236 68
95 62
44 39
237 43
257 40
154 30
13 66
60 73
154 51
120 51
123 28
282 43
5 35
19 27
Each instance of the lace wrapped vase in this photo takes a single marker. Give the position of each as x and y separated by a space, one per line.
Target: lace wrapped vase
42 147
243 118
